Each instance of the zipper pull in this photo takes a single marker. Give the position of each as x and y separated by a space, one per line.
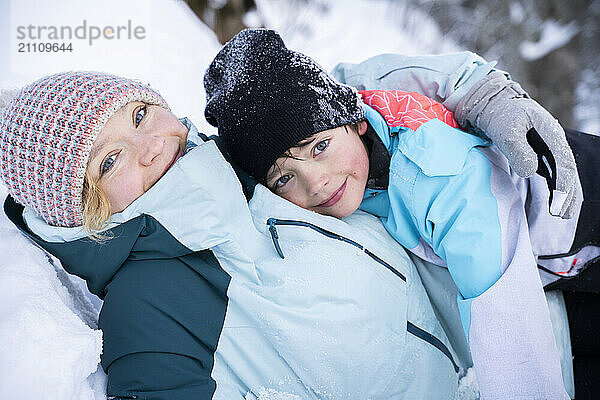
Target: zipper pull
271 222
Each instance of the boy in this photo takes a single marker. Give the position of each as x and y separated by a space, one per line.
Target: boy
446 196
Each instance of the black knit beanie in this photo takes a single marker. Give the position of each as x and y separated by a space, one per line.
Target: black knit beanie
265 99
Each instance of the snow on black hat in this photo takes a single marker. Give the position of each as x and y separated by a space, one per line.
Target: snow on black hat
265 98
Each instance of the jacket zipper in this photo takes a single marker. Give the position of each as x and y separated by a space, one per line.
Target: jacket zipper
275 237
411 328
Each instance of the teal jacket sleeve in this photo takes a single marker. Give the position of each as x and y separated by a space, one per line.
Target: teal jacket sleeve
446 78
158 376
162 318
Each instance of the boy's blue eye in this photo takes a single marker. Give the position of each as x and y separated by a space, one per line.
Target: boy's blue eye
321 146
282 181
140 114
107 164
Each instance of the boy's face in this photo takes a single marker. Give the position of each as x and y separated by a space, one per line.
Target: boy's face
326 174
136 147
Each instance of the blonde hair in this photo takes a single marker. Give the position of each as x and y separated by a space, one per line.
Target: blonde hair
96 208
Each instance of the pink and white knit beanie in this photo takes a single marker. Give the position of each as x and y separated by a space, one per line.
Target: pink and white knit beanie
47 132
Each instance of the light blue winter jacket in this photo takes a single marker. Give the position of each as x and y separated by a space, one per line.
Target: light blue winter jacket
455 203
439 201
343 316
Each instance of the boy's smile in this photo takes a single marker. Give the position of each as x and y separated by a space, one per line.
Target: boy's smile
335 197
327 173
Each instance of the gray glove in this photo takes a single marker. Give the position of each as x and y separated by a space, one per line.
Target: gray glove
531 139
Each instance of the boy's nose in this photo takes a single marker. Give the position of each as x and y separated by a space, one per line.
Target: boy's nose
150 147
316 182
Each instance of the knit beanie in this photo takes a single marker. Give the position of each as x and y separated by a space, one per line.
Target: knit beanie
47 132
265 98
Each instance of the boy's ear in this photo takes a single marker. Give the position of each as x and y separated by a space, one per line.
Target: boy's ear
362 127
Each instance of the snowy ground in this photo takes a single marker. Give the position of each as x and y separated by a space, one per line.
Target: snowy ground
47 322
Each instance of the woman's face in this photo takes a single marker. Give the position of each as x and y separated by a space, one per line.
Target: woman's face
136 147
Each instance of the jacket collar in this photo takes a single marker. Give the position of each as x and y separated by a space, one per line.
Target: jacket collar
98 262
379 160
198 204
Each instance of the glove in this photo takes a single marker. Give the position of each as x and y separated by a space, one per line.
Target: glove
530 138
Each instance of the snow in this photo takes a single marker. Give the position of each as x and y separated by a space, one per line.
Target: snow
516 13
173 57
352 30
588 100
245 68
553 36
467 390
49 342
560 326
270 394
48 333
467 386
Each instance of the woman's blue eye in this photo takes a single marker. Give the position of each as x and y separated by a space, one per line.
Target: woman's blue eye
107 164
282 181
321 146
139 115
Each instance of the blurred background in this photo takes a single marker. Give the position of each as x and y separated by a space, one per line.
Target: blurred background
551 47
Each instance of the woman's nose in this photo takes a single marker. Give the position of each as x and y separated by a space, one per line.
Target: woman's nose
149 147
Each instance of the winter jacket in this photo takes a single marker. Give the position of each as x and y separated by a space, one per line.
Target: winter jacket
452 200
161 344
447 78
208 297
